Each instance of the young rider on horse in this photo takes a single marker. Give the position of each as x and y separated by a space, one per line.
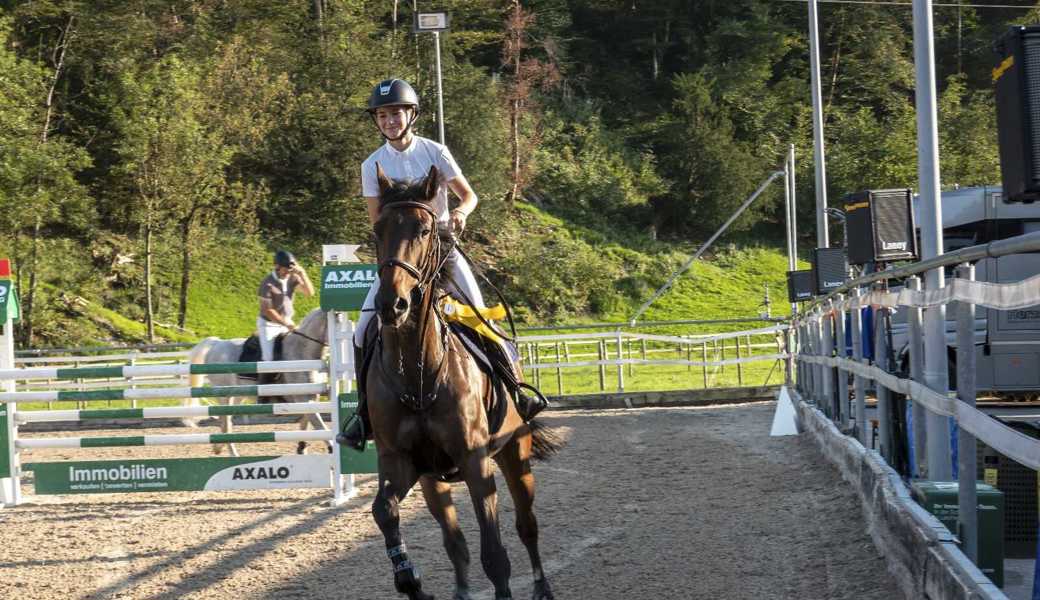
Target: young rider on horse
394 106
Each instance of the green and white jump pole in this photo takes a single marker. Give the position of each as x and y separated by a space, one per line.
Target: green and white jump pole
344 287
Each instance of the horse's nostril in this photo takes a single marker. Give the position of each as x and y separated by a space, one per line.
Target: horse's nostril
401 305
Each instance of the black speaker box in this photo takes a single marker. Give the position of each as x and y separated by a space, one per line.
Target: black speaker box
1016 78
800 285
829 269
880 226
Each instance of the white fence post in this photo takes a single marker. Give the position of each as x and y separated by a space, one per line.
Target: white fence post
915 349
967 514
859 387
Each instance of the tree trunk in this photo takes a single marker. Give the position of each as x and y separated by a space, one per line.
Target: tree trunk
18 279
515 106
182 308
30 296
149 316
514 140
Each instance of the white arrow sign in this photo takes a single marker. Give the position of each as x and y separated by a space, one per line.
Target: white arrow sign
337 253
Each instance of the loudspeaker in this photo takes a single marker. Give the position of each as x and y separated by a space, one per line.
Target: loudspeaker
799 285
880 226
1016 78
829 269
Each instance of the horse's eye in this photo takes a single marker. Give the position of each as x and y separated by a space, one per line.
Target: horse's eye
425 232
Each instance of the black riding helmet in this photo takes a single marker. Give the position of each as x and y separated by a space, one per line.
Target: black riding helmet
394 92
284 258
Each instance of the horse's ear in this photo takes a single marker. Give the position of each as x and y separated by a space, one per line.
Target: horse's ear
432 183
384 181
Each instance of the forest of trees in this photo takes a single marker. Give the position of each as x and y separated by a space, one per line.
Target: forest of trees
134 130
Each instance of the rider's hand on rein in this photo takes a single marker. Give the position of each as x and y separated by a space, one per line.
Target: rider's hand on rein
458 221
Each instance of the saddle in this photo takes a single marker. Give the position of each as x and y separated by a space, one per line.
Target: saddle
251 353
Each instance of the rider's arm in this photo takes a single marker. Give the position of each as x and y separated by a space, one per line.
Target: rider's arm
372 204
305 282
467 201
268 312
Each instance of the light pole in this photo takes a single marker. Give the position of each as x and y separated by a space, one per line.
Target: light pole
940 466
435 22
822 237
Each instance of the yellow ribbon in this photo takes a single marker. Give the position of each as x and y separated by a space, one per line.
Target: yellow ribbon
457 312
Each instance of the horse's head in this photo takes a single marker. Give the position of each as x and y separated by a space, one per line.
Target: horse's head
406 244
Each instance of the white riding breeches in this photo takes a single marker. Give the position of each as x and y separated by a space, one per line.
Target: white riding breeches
460 272
267 331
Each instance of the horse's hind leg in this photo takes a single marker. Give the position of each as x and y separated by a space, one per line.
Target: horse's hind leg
480 479
396 477
318 424
515 462
226 426
438 500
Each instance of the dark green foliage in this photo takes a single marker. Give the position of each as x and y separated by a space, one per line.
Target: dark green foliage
239 125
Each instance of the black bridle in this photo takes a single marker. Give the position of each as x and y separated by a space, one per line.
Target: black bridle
425 274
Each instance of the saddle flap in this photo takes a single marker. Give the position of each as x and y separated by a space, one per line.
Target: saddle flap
250 350
496 404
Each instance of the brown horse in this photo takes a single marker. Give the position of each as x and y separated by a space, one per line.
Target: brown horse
426 400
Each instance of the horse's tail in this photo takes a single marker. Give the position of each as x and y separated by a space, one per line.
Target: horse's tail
545 441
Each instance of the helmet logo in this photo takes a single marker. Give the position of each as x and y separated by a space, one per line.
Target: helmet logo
385 89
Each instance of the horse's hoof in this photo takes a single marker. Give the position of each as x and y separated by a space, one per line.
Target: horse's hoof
408 580
542 591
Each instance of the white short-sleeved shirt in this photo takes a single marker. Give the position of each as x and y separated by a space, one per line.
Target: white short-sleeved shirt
412 164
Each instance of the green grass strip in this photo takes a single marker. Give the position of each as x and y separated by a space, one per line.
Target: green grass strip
88 372
228 438
114 413
246 367
224 391
108 442
242 409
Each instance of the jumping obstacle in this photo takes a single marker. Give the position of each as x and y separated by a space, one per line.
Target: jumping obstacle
344 286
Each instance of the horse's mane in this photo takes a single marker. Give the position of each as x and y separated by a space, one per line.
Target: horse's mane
313 314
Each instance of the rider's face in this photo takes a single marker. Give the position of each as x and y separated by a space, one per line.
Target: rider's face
392 120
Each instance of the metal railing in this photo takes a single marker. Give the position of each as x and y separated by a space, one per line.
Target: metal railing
626 355
824 368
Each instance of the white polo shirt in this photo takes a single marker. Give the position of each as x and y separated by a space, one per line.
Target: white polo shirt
411 165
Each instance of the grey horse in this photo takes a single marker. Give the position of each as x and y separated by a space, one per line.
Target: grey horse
307 342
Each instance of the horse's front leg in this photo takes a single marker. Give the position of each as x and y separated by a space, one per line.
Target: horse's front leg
396 477
438 500
480 479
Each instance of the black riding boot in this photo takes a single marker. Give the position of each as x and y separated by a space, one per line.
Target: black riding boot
529 406
358 429
506 364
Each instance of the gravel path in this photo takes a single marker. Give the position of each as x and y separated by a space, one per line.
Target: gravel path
683 503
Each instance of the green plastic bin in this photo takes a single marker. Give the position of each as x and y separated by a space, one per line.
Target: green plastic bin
940 499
